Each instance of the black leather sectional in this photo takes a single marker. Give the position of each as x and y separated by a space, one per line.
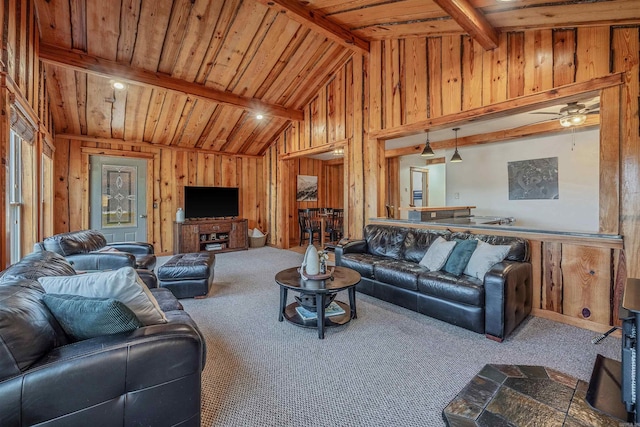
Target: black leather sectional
388 260
149 376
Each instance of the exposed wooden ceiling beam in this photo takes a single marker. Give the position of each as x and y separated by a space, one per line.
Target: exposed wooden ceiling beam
318 22
548 98
84 62
472 21
315 150
145 144
546 127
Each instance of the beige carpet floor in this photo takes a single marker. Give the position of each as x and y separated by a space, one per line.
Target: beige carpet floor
389 367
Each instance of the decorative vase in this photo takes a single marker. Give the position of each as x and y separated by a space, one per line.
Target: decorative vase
311 263
179 215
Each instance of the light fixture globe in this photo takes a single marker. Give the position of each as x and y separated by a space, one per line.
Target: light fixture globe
573 120
427 151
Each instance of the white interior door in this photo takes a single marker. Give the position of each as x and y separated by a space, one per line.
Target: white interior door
117 197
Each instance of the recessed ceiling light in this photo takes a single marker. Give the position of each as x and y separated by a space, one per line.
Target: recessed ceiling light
118 85
259 116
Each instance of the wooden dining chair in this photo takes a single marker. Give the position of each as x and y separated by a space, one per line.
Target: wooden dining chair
335 225
309 223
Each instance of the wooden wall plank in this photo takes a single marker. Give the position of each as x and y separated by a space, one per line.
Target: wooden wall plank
375 68
415 82
625 48
494 64
535 246
434 77
553 279
609 194
472 56
393 185
564 54
592 52
451 74
392 87
515 64
590 294
538 66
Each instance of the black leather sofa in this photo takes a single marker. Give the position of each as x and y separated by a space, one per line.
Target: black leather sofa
88 250
150 376
387 259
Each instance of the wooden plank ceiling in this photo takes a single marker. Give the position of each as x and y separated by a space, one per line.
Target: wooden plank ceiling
197 72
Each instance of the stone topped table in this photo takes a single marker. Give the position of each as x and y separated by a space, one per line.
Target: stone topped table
519 395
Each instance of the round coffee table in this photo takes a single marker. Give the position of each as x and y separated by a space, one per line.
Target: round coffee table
323 290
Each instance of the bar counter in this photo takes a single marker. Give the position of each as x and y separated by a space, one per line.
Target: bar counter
504 226
574 272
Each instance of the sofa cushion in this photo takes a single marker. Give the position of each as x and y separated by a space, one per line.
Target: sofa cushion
75 242
26 330
437 254
83 318
166 300
39 264
400 273
460 256
362 263
384 240
122 284
484 257
519 250
463 289
418 242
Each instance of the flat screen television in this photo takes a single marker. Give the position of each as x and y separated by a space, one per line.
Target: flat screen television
210 202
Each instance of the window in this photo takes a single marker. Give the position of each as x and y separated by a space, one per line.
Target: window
14 196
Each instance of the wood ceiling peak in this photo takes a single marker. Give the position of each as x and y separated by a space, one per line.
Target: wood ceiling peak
84 62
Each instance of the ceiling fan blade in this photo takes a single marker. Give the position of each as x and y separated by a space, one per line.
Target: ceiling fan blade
594 107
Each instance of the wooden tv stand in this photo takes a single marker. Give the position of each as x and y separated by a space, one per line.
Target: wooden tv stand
215 235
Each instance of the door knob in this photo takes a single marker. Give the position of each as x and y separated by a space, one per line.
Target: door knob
143 216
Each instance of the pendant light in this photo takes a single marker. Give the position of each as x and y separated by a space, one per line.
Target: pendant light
456 156
427 151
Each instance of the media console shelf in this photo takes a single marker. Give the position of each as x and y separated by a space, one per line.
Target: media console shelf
216 235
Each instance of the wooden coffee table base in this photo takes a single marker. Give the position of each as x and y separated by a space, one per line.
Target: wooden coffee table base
344 279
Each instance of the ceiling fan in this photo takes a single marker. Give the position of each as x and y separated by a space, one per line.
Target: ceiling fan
573 114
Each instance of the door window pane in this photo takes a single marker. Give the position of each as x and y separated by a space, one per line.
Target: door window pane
119 196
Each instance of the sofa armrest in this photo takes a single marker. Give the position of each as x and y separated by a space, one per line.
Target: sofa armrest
508 288
150 376
352 246
136 248
101 261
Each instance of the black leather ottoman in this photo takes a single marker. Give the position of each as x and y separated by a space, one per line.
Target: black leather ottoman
188 275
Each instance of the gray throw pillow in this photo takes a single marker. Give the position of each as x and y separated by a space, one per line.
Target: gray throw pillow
484 257
123 284
437 254
83 317
460 256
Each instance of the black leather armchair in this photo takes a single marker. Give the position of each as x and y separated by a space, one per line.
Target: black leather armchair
149 376
88 250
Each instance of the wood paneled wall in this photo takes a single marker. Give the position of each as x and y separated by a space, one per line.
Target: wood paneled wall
170 170
333 116
22 87
414 80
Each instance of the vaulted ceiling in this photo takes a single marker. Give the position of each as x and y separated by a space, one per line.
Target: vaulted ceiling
197 72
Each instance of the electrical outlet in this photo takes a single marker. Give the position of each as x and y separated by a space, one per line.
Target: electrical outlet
456 195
